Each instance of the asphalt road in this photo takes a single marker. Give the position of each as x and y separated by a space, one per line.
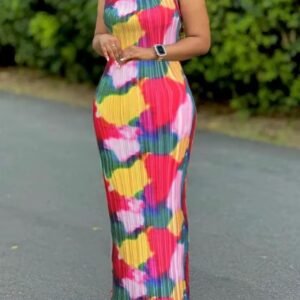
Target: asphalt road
243 201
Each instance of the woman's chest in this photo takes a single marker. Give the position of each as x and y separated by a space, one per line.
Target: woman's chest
144 15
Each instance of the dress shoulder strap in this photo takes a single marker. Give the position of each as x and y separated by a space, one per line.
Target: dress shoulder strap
177 3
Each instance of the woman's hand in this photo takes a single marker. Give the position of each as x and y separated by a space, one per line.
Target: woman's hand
139 53
107 45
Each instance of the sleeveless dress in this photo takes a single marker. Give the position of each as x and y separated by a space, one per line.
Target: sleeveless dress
144 116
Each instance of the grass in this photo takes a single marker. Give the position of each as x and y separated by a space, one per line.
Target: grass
281 131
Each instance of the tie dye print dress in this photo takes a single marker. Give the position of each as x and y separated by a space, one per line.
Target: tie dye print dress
144 117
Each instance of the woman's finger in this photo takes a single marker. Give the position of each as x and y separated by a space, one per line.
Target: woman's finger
110 51
105 52
127 55
120 50
116 50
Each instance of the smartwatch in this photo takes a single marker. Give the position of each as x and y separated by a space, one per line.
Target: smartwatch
160 51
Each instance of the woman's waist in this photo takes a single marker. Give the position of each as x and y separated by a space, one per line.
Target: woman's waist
145 68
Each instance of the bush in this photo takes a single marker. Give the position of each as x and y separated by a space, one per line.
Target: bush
254 58
255 55
53 35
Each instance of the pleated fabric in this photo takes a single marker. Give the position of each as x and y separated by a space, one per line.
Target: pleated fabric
145 117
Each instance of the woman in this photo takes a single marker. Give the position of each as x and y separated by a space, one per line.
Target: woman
145 116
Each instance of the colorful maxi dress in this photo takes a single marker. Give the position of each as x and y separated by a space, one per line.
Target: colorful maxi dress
144 117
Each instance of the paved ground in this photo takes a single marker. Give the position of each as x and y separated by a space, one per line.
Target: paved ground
243 200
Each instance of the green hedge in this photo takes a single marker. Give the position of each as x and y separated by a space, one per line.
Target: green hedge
254 58
255 55
54 35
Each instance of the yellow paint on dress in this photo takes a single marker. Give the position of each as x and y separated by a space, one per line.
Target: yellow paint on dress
168 3
178 290
176 222
128 32
128 181
180 149
136 251
120 109
175 72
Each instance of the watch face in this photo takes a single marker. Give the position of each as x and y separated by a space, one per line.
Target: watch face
160 50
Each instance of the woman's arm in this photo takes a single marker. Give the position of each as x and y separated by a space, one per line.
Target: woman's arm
197 40
196 26
104 43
